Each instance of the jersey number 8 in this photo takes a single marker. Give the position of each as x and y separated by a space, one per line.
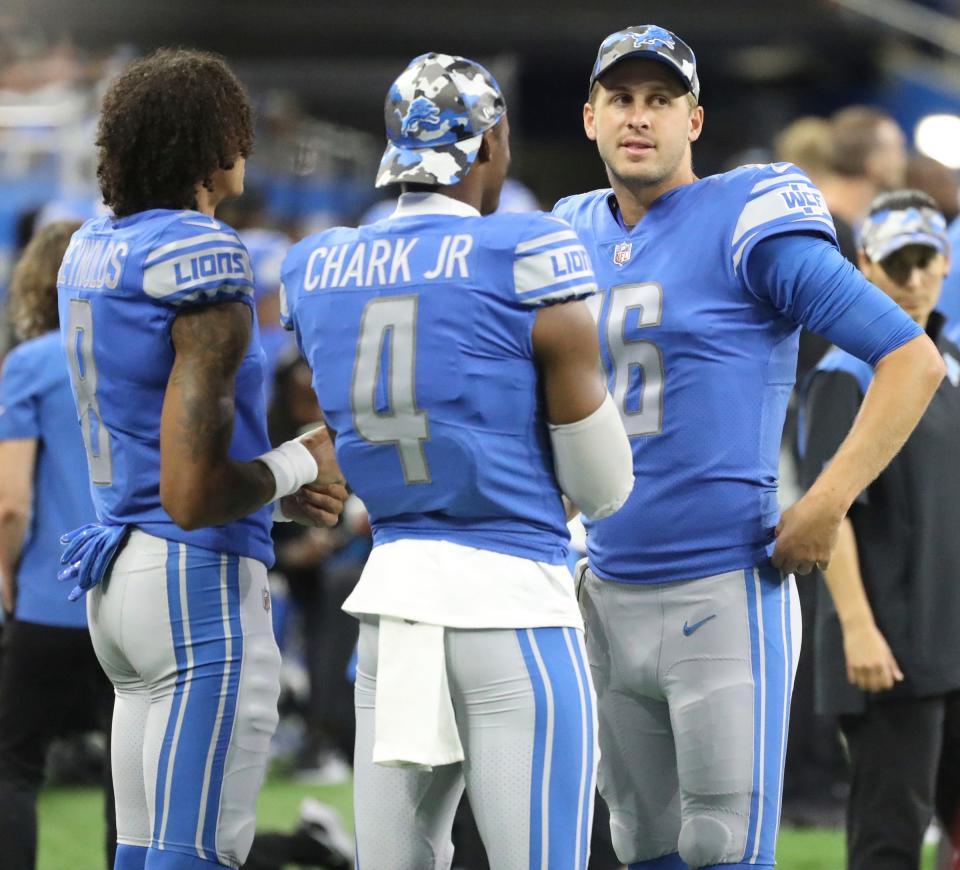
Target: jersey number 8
83 372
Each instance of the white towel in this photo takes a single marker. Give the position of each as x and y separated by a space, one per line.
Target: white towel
414 721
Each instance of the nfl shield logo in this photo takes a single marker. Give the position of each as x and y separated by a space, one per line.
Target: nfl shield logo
266 599
621 253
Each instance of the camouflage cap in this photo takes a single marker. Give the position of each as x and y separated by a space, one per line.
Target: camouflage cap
436 113
887 231
653 43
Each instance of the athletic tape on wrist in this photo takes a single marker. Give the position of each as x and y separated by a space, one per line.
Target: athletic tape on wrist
292 466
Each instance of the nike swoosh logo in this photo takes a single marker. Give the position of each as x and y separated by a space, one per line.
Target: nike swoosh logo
690 629
210 224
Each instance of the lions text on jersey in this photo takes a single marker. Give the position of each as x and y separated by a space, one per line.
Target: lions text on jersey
418 331
121 285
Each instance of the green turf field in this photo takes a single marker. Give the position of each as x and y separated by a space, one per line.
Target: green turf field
71 828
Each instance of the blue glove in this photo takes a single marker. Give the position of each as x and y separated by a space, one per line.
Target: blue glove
89 553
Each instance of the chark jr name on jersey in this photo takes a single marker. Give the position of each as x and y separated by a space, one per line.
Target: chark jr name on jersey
386 262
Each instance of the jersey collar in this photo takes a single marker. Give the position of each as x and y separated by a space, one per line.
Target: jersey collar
431 203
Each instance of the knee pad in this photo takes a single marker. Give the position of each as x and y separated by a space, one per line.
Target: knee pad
704 840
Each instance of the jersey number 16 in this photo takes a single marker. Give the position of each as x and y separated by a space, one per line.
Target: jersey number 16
637 362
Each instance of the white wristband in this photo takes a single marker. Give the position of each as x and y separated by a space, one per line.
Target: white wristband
278 515
292 466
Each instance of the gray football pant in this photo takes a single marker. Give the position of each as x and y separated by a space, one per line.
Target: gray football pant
185 635
525 714
693 684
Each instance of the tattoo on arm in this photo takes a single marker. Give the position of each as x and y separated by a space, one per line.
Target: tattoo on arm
199 407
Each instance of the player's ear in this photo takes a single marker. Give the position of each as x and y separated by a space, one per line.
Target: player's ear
696 123
487 143
589 126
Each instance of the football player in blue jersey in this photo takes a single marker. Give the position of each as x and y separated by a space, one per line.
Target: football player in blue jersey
455 362
43 490
689 605
161 338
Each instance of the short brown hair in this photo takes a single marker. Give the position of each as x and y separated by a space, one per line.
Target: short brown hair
854 132
33 287
168 123
806 142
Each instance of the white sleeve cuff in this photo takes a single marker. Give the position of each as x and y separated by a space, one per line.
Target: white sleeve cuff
593 461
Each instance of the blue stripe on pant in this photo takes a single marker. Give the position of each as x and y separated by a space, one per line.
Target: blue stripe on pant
204 602
562 779
771 656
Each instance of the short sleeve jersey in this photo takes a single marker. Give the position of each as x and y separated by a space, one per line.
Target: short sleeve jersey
36 404
700 365
121 285
418 330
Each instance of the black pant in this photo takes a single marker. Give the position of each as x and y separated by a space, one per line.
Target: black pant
905 765
51 684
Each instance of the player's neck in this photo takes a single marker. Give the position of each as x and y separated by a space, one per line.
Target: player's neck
634 200
207 200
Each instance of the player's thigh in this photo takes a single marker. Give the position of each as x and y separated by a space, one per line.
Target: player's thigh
201 638
132 711
638 771
402 817
526 713
728 685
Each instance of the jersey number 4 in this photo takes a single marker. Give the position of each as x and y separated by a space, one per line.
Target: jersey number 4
637 362
387 350
83 372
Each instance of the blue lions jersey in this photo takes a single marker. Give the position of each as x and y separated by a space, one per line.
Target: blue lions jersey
418 330
121 284
701 364
36 403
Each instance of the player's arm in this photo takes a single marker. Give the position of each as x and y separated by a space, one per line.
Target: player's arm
17 459
200 485
807 279
592 456
905 380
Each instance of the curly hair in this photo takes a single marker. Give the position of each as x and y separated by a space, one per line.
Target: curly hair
169 121
33 286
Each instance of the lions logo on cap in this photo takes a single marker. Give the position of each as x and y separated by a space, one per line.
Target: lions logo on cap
654 37
422 113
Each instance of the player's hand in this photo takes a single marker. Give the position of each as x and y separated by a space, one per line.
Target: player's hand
870 663
315 505
320 444
806 535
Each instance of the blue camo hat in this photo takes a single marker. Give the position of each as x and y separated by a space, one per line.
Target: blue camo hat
889 230
436 113
653 43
